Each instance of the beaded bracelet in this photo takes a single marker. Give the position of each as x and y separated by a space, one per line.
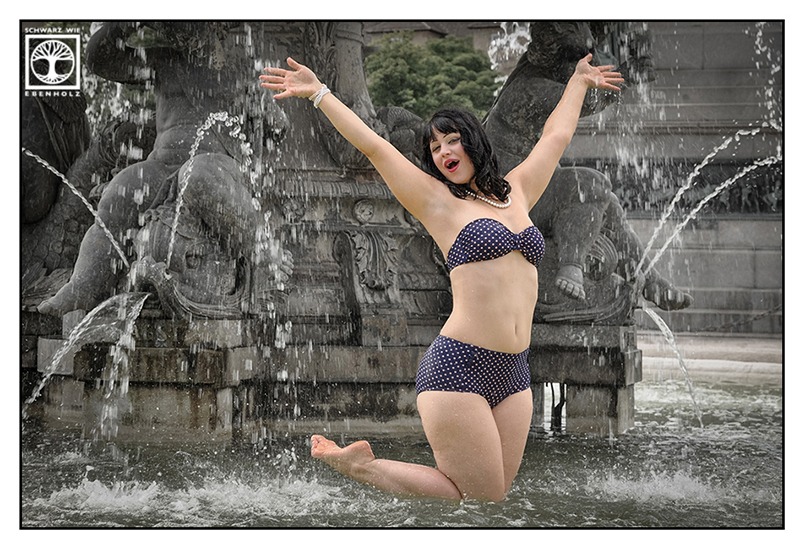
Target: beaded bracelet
316 98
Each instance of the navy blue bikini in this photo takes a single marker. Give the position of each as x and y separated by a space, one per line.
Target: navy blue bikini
451 365
487 239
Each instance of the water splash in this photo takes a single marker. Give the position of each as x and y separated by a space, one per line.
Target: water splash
671 339
77 193
510 43
657 487
112 319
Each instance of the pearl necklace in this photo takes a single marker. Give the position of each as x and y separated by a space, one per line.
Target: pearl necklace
505 204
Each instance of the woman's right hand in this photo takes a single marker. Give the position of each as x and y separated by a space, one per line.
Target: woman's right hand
299 81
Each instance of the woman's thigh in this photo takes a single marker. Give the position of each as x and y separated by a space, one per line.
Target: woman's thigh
463 434
513 419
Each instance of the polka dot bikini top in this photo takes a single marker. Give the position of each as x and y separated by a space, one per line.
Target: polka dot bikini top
486 239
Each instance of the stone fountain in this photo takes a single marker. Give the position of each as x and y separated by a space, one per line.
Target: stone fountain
288 289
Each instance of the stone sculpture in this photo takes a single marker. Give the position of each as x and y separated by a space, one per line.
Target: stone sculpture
52 219
196 69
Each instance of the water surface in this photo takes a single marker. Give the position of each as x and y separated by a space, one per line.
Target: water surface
667 472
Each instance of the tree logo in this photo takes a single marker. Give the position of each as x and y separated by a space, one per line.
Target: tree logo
53 62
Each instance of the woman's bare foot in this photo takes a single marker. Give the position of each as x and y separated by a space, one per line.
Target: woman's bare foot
570 280
344 460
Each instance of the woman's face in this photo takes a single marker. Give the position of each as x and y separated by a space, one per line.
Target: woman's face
450 158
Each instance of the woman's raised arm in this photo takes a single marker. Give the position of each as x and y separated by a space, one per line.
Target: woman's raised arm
410 185
535 172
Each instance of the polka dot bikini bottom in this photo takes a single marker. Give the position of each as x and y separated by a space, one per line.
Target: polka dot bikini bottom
451 365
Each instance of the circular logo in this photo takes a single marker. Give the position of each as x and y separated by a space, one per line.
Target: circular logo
52 62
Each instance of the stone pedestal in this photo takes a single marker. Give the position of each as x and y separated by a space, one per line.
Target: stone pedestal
599 367
175 387
217 382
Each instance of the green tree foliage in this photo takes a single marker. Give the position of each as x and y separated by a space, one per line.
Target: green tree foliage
425 78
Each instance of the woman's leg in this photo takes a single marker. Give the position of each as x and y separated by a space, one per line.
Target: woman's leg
477 450
513 418
466 442
357 461
462 432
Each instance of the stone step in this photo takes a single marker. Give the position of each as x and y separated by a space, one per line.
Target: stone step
722 268
739 254
663 96
749 359
731 267
727 347
751 300
688 79
713 107
713 44
745 232
716 320
718 371
688 139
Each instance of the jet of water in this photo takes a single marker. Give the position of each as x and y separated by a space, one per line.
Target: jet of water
692 214
114 318
681 191
76 192
117 379
203 130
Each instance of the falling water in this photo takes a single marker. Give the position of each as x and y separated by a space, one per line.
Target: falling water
773 58
669 337
76 192
114 318
117 379
772 119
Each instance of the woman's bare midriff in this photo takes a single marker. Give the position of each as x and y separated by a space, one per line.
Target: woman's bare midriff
493 303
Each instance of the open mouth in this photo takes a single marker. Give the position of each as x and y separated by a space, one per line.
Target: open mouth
451 165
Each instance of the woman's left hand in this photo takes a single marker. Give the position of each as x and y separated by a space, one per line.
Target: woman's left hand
602 77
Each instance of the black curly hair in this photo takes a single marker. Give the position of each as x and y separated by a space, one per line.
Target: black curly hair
475 143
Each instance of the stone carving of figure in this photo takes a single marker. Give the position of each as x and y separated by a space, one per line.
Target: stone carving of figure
578 211
52 219
196 69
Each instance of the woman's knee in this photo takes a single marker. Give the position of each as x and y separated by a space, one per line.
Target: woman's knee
493 492
479 481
